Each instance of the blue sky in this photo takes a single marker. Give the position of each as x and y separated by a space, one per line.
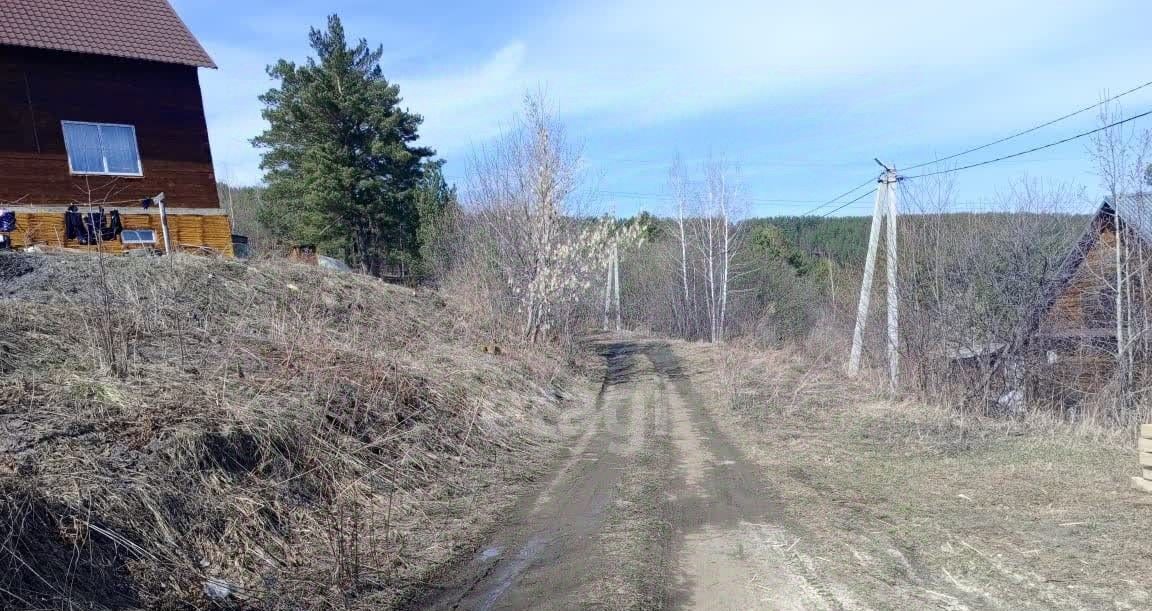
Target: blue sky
801 95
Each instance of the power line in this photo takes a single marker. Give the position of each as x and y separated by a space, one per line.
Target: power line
1034 149
783 203
666 196
841 196
834 210
761 163
1031 129
777 203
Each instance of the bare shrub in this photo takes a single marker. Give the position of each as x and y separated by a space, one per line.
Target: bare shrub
971 279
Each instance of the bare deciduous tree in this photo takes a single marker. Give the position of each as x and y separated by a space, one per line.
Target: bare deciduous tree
1121 157
523 206
681 191
717 240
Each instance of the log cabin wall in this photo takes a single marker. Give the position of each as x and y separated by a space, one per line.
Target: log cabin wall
41 88
190 230
1088 302
1078 332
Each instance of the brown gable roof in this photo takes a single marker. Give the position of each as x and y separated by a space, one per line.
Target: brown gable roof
137 29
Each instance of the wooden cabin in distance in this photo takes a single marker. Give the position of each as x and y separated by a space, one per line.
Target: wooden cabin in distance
100 105
1089 313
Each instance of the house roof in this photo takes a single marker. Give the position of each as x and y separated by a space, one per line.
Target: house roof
137 29
1135 213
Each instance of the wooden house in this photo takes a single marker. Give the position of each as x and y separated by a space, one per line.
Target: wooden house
1070 337
100 106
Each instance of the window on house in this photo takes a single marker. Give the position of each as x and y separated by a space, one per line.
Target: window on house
101 148
138 236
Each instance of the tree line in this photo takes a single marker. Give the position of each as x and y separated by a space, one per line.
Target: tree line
521 249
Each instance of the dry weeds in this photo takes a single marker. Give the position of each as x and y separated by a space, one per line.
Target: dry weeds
207 434
912 505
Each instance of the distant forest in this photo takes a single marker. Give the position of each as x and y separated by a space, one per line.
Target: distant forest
801 242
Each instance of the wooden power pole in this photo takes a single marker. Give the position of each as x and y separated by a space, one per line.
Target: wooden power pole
885 207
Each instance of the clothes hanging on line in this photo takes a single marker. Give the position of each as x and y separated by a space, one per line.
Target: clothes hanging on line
73 223
7 220
112 230
92 227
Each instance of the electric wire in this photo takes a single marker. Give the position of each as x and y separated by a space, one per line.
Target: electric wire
773 203
834 210
1033 149
840 197
1031 129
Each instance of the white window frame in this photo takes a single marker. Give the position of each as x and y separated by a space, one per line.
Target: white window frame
103 156
138 242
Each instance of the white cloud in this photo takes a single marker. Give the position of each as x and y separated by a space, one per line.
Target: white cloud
655 62
468 105
623 64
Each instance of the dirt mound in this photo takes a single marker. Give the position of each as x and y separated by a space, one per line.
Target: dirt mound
196 433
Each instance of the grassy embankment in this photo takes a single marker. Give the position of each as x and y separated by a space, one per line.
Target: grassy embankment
188 432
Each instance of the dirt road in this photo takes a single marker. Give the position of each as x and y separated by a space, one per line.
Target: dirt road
736 479
653 508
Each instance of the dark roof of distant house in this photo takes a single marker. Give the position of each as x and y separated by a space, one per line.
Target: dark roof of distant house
137 29
1135 211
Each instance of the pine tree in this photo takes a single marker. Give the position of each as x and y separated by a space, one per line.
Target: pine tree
437 209
340 159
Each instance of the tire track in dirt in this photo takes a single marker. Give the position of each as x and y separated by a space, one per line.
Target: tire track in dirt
655 508
734 549
543 556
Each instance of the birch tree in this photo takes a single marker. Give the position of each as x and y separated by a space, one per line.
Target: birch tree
524 195
681 192
1121 157
716 241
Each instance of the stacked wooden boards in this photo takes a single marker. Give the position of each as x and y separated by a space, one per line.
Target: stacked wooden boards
1144 480
189 230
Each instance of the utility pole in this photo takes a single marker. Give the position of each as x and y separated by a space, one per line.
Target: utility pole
607 294
612 290
890 180
616 283
885 207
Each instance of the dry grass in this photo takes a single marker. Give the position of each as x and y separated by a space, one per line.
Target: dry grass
291 436
912 505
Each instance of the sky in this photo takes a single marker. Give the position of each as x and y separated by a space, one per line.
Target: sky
798 96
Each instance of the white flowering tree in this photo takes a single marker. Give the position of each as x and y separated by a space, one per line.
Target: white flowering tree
524 196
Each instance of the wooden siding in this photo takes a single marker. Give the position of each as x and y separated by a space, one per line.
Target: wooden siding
1077 336
1087 301
39 89
188 231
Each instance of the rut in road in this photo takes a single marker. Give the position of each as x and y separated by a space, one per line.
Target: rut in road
653 508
